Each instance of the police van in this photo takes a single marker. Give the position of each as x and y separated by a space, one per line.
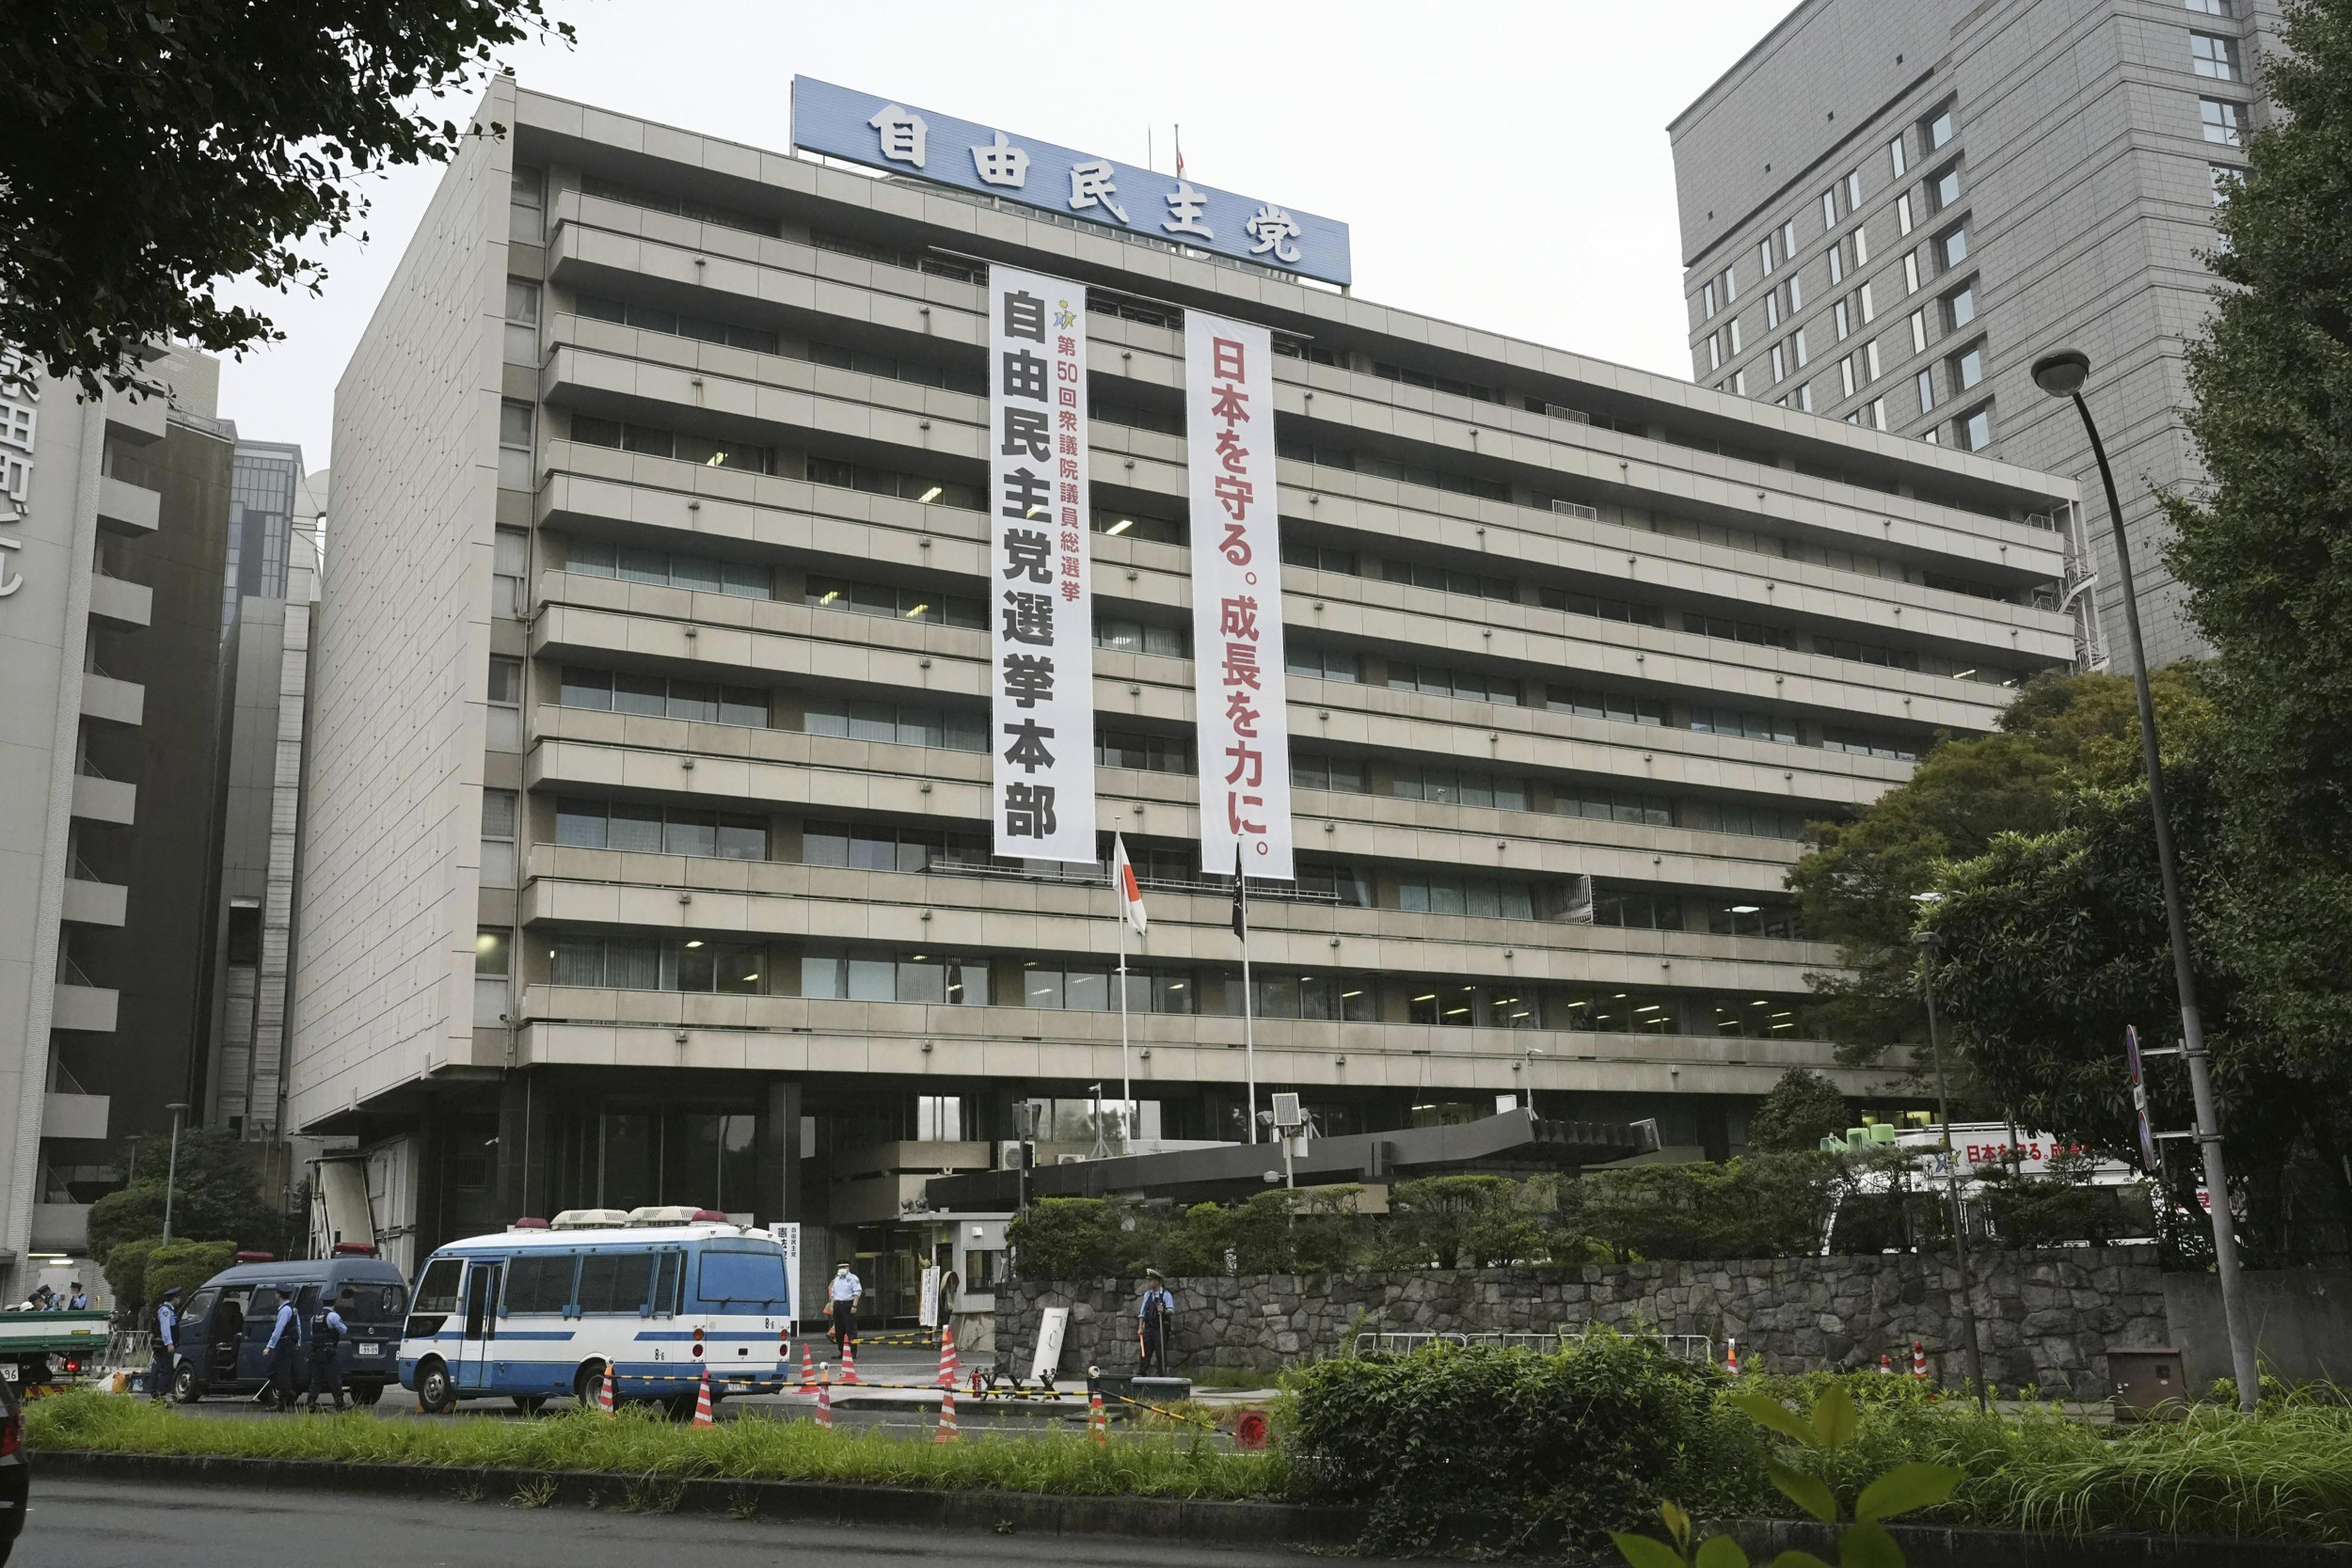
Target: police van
648 1299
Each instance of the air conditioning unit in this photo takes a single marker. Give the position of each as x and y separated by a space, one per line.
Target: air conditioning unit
1009 1155
1577 508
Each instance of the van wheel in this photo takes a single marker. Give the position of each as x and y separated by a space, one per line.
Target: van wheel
588 1384
529 1403
366 1394
186 1389
434 1394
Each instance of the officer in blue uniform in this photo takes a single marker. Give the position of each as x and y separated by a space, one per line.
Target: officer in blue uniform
166 1332
285 1356
327 1330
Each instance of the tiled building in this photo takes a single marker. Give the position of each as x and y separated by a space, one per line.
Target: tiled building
1891 208
648 857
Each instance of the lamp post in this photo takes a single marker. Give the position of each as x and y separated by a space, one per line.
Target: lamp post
172 1170
2063 375
1929 941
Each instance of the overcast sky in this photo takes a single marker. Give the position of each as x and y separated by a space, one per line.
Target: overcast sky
1503 165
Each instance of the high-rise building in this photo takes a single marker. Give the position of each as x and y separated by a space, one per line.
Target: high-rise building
112 543
1892 208
649 855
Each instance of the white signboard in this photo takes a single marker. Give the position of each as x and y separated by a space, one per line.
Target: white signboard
1052 1325
1041 607
928 1312
1243 727
787 1234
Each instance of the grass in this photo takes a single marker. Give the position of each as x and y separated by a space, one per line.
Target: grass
638 1444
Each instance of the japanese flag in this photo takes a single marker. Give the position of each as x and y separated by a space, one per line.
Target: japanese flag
1123 881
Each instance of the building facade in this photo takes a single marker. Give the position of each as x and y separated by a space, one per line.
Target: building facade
110 567
1892 208
648 857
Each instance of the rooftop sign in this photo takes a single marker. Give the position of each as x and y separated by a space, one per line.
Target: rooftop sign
880 134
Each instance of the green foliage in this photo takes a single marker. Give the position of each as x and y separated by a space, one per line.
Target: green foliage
1756 1205
643 1447
125 1269
186 1264
1506 1450
156 147
216 1192
1802 1108
1066 1238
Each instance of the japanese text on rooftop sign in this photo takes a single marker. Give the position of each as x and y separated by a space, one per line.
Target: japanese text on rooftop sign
1242 725
877 132
20 395
1041 620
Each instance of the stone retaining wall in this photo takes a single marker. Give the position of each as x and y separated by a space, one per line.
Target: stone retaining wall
2048 1317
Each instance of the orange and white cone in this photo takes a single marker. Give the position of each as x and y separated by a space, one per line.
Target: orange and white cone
848 1362
604 1391
1731 1358
825 1402
1098 1424
1919 1359
1886 1368
808 1369
947 1378
947 1433
702 1400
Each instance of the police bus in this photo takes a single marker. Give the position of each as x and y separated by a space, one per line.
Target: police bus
649 1298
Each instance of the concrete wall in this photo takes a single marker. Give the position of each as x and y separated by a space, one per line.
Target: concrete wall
2302 1323
382 985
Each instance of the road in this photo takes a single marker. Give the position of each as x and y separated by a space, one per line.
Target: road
87 1524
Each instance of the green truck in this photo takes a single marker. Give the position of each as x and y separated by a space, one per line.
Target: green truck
41 1348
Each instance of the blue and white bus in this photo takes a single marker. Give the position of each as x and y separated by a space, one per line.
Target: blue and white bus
649 1298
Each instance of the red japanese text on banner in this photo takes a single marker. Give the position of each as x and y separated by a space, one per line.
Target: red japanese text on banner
1243 728
1040 605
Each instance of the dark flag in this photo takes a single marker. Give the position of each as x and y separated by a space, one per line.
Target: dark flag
1241 898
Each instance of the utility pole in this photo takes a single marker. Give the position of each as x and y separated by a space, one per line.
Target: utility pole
171 1171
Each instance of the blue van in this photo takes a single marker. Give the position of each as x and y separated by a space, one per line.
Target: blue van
224 1328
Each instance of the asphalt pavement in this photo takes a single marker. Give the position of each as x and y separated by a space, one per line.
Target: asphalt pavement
87 1524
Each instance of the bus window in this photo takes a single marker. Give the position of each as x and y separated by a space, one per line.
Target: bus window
746 1280
666 1283
438 1290
615 1281
540 1282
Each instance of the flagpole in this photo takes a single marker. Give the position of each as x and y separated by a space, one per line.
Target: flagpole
1248 1023
1126 1078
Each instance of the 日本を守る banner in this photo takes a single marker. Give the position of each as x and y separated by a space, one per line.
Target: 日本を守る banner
1242 730
1041 614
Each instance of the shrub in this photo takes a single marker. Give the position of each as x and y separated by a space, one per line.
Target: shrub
1802 1108
186 1264
1507 1450
125 1268
1066 1238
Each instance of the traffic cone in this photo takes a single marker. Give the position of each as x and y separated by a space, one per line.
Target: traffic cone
604 1391
808 1369
825 1402
1098 1424
947 1378
1919 1359
947 1433
702 1400
1731 1358
1886 1368
848 1362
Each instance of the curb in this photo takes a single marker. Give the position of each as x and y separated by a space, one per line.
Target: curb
1233 1524
1953 1547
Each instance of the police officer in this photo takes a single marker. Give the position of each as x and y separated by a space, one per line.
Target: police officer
79 1302
166 1336
327 1339
285 1355
843 1295
1155 1320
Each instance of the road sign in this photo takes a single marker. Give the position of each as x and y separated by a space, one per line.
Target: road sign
2139 1099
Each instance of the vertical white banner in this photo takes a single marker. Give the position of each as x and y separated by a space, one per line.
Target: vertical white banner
1243 727
1042 605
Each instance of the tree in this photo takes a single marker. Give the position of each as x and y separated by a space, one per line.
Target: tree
153 148
217 1193
1803 1109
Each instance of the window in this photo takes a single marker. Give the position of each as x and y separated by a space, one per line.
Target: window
1946 187
438 1290
1732 630
1846 375
1313 770
1862 244
498 837
1798 343
903 604
1974 428
1837 263
1139 637
647 318
1446 784
1960 307
1780 363
1853 192
1734 333
1731 286
505 725
1320 558
1587 703
868 847
515 468
540 1282
1871 359
1482 897
1895 157
660 830
1714 351
2211 54
1640 911
2212 7
1911 273
1805 397
1422 574
1828 209
1862 743
1842 312
1605 608
615 1281
1903 221
949 728
1918 332
1739 817
1321 661
1939 129
1869 303
522 322
1742 723
594 557
1750 918
523 205
2223 121
492 962
1150 753
1772 310
748 1281
1788 240
1968 368
1764 257
1953 245
652 441
660 697
1610 805
1740 381
1876 413
1924 383
1707 299
652 963
2224 179
1434 680
1796 293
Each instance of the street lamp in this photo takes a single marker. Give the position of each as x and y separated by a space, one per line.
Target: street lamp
172 1170
2063 375
1930 940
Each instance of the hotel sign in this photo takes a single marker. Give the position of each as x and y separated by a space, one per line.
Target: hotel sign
882 133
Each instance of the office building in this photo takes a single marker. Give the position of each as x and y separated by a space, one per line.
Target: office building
1892 208
649 857
111 557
